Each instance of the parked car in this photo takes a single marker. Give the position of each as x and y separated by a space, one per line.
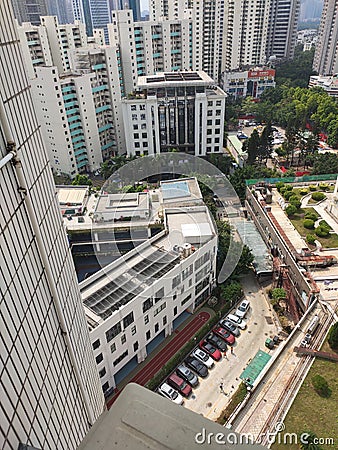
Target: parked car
230 327
243 309
170 393
203 357
210 350
187 375
218 342
224 334
179 384
240 323
197 366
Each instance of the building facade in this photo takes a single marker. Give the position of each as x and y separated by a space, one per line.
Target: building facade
151 46
176 110
93 13
329 84
249 82
51 393
325 61
138 300
49 43
29 10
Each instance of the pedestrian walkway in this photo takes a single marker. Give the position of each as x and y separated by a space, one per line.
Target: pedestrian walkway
146 370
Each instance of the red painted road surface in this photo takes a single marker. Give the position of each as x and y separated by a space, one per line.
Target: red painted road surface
183 336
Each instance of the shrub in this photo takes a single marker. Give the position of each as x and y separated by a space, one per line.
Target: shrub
289 187
310 238
290 210
322 231
288 194
318 196
278 293
282 190
303 191
320 385
279 185
312 187
324 224
309 224
295 201
311 215
333 337
323 186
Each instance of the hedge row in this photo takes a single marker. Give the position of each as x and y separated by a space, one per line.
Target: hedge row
178 357
237 398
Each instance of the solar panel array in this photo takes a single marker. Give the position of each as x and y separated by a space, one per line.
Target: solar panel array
125 287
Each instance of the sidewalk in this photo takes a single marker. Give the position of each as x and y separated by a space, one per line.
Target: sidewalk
169 347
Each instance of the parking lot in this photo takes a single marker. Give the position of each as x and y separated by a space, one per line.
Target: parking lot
208 398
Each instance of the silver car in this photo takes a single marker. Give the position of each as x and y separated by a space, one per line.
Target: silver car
243 309
187 375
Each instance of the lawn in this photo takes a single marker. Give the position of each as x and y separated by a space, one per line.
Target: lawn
310 412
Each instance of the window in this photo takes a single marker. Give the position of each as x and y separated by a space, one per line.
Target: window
119 359
145 144
159 295
148 335
113 331
144 135
164 320
134 117
175 310
123 339
135 346
176 281
102 372
105 386
186 299
209 113
133 330
218 122
99 358
218 102
209 122
96 344
113 347
157 327
146 320
159 309
147 304
128 320
135 127
136 136
218 112
133 107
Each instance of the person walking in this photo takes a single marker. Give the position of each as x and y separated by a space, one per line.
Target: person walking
232 350
221 387
225 354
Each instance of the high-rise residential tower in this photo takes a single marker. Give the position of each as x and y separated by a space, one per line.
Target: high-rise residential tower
29 10
326 54
50 389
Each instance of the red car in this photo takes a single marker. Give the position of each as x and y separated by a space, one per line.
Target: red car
224 334
211 350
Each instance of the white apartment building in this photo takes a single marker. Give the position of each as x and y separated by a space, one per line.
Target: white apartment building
50 389
84 106
151 47
137 301
329 84
251 82
325 61
208 28
176 110
49 44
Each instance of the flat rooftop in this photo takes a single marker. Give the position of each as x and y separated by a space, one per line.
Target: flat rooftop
175 79
183 191
71 196
255 367
129 201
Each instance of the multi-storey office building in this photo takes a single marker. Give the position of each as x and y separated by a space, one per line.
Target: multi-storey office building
151 46
62 9
29 10
49 43
94 13
50 389
82 105
325 61
183 111
249 82
139 299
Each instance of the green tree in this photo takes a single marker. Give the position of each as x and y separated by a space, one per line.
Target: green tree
325 163
278 293
253 147
82 180
321 386
333 337
290 210
265 144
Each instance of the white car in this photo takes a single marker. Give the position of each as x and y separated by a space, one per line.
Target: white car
240 323
242 309
203 357
170 393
